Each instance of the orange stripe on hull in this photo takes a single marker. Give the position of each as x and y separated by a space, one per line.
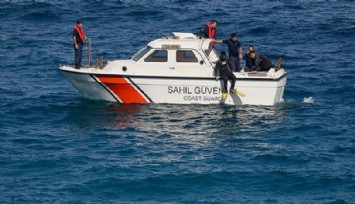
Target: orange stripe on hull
124 90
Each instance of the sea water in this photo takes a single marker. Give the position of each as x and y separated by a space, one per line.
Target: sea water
56 147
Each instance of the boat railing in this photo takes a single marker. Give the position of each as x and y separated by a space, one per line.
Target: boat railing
87 56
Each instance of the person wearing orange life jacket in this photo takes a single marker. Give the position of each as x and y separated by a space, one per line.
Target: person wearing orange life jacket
209 30
78 40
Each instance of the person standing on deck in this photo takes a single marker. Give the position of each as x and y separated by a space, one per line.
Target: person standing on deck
78 40
234 51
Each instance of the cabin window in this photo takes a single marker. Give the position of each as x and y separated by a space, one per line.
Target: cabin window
141 53
157 56
185 56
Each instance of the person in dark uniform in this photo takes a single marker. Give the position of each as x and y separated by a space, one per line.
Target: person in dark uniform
209 30
249 62
262 63
234 51
223 71
78 40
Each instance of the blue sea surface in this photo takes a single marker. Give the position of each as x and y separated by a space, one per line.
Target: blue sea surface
56 147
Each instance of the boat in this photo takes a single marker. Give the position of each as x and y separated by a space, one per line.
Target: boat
174 70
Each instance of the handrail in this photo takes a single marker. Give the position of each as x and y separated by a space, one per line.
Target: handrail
207 58
88 51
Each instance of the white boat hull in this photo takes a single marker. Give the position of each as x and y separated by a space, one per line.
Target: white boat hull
174 90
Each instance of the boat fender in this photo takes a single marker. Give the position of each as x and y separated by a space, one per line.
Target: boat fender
124 68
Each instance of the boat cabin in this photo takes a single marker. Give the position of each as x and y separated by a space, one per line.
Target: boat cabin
184 54
182 48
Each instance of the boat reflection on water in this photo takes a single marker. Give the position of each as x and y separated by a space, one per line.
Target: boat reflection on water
187 121
123 115
100 114
172 131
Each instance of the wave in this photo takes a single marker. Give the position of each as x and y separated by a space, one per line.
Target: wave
258 30
291 6
309 100
40 16
144 12
29 2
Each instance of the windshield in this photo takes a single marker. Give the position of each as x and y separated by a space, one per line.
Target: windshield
140 53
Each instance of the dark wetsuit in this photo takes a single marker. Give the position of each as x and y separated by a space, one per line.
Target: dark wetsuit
262 63
222 70
249 63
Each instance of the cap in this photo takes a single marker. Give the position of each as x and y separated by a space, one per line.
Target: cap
79 21
223 53
233 35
